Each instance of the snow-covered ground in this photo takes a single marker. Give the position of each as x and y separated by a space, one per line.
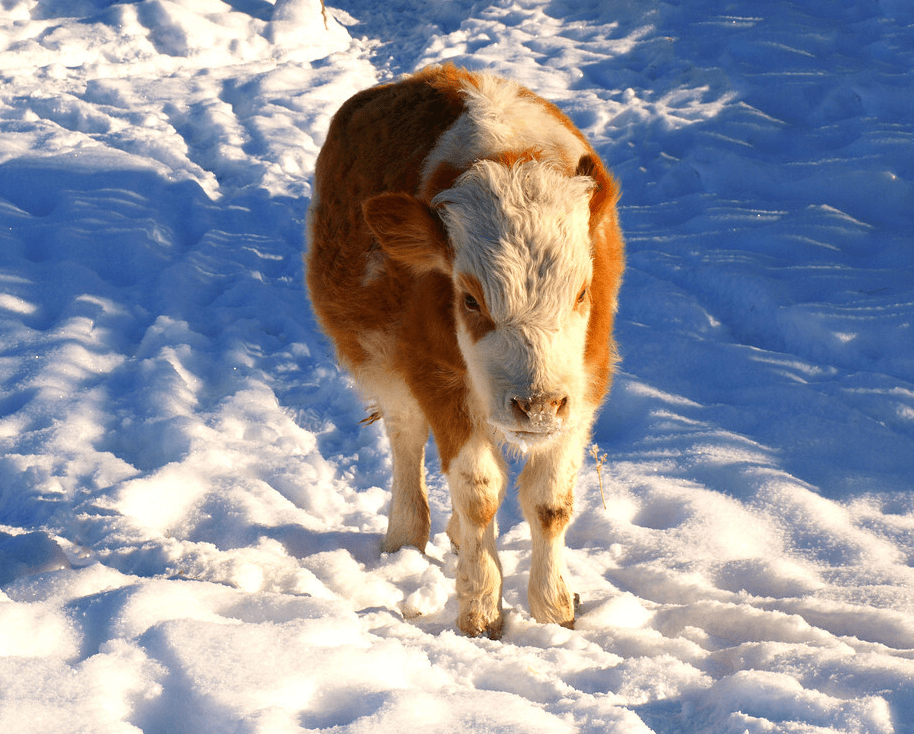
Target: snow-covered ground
190 514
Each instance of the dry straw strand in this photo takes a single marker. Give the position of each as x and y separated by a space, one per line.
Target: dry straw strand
595 453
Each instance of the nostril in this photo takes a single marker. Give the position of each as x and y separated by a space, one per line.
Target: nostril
539 408
520 408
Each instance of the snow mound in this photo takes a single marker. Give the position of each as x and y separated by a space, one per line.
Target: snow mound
190 513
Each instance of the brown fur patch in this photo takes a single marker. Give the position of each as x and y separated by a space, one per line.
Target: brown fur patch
449 80
408 231
605 193
553 519
511 158
600 354
429 358
478 323
607 250
443 177
484 503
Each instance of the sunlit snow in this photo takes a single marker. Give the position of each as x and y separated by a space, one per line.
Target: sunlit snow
190 511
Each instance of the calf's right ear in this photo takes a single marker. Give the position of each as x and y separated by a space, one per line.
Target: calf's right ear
409 231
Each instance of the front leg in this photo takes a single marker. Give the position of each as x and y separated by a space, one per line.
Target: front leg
546 493
477 480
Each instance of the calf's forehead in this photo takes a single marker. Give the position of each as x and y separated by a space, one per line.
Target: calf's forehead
522 231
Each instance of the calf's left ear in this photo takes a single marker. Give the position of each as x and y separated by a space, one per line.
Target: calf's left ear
605 192
408 231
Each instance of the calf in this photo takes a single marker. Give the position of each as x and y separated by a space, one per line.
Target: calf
465 258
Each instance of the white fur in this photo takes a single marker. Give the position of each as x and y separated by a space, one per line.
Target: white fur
477 478
522 231
498 117
546 477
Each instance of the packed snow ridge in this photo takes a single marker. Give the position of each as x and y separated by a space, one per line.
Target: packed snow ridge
190 511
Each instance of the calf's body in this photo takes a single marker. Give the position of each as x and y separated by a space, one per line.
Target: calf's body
465 258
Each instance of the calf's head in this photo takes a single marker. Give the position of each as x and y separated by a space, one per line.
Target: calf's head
514 237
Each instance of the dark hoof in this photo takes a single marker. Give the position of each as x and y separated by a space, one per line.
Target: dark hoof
576 605
493 631
478 628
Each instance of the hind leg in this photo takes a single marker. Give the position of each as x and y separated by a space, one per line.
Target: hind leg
408 520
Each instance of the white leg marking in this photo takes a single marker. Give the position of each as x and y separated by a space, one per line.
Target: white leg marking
547 498
408 521
477 480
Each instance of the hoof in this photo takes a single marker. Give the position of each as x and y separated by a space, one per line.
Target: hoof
393 544
477 628
576 605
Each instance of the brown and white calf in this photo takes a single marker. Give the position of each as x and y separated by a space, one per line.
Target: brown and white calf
465 257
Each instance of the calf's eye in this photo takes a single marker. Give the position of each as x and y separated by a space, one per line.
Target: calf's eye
470 303
582 295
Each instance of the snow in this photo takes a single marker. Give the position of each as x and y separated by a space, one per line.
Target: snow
190 512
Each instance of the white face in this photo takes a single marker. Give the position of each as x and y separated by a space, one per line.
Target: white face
522 269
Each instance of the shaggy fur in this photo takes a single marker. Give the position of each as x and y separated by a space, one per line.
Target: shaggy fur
465 258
